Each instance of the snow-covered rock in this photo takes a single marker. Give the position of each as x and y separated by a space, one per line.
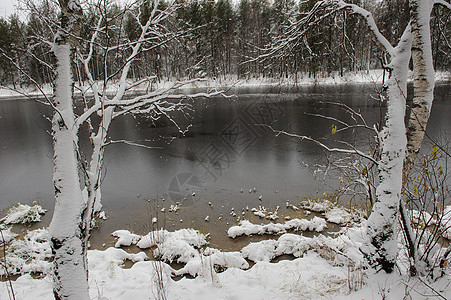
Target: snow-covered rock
181 245
191 236
125 238
261 251
315 224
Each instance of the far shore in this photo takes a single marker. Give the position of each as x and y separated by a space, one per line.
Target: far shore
224 83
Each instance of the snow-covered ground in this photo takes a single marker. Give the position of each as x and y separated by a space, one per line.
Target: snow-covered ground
372 76
321 267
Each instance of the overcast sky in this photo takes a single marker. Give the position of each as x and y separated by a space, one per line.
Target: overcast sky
7 7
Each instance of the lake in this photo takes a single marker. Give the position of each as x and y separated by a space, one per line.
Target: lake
228 158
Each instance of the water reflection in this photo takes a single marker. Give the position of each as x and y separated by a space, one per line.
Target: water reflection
229 149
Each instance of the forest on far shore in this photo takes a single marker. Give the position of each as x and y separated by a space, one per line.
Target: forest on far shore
207 38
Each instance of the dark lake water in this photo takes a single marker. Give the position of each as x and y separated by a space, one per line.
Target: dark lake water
228 151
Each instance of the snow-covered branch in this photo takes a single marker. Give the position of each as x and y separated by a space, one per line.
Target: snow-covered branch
142 101
296 31
443 3
131 143
378 38
355 116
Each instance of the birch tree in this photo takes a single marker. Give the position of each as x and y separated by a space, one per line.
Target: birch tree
398 144
423 96
77 173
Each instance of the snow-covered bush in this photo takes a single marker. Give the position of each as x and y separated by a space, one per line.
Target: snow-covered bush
6 235
23 214
428 209
32 254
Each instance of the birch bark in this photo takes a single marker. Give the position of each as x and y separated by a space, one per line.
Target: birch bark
423 82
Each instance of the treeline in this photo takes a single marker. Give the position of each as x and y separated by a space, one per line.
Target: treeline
211 38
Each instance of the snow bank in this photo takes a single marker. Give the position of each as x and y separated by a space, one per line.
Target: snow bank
288 243
424 218
101 261
340 250
325 267
247 228
109 280
315 224
372 76
183 246
309 277
23 214
191 236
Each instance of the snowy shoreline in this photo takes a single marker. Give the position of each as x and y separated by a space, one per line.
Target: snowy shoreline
363 77
321 267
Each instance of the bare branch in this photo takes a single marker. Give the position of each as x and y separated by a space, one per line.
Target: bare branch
131 143
353 150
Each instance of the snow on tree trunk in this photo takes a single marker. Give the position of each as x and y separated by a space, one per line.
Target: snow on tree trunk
95 169
382 223
66 229
423 83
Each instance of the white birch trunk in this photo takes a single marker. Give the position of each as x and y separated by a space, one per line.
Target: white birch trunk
424 81
423 96
382 223
66 229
